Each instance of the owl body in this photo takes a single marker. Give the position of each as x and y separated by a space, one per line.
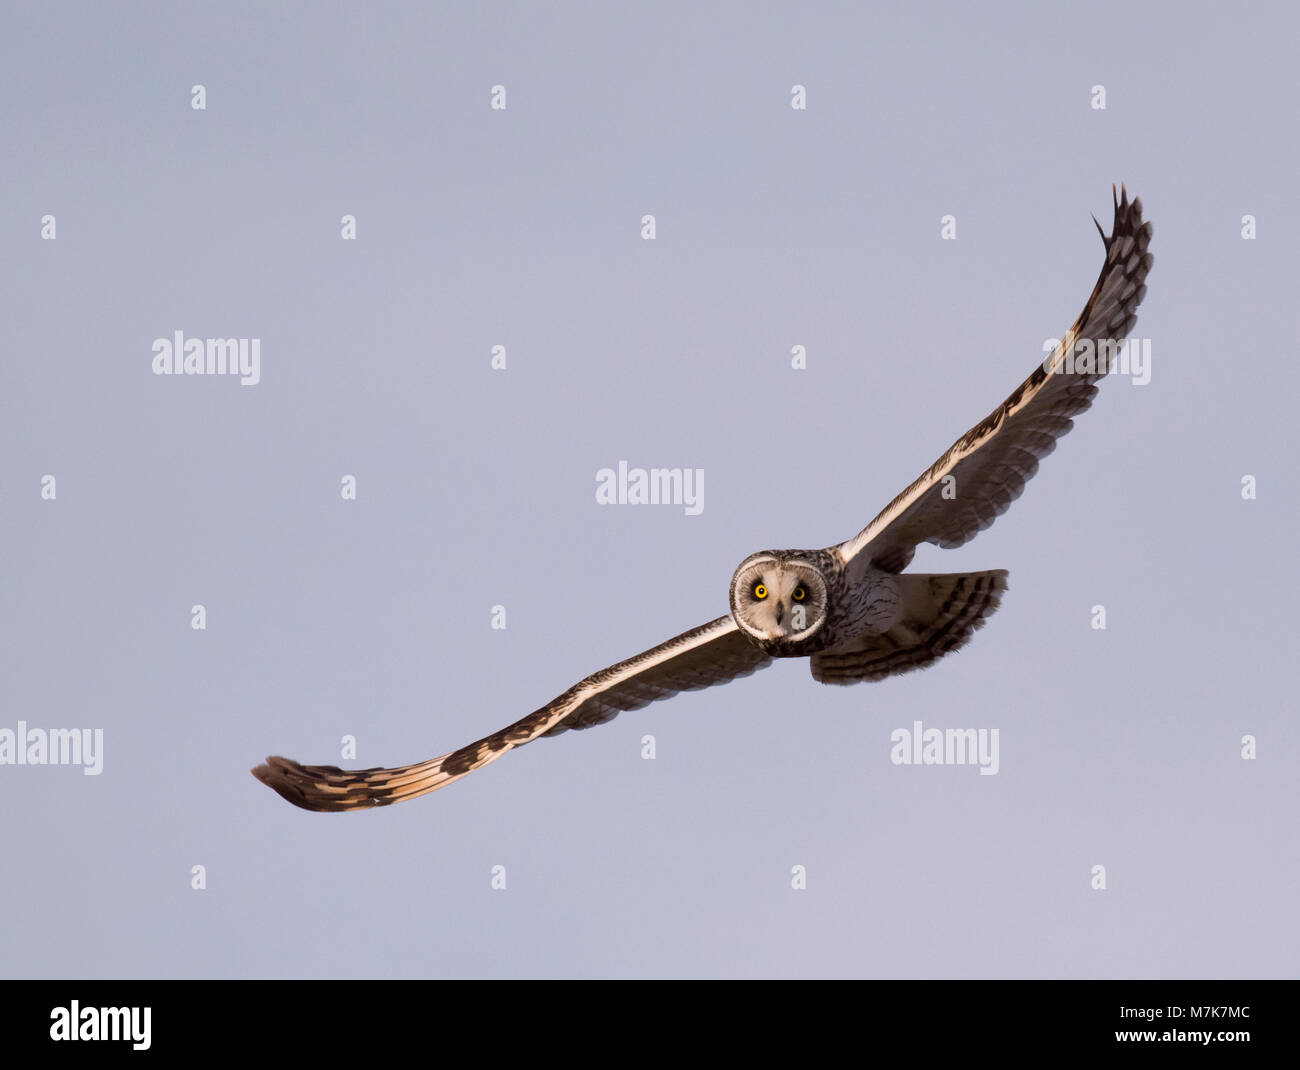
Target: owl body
850 609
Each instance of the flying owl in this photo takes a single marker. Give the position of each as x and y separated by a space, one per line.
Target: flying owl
850 609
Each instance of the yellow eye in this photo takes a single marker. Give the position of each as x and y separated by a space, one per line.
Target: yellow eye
799 594
760 592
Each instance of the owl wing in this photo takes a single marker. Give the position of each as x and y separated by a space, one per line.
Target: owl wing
991 463
710 654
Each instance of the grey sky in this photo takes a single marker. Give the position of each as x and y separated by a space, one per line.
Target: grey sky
521 227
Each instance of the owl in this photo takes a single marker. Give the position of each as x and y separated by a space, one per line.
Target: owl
850 609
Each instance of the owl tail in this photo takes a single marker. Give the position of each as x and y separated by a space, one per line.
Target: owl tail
940 614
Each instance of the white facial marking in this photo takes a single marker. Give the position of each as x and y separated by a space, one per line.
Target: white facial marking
778 601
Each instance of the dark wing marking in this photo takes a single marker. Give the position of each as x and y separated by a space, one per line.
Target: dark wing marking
711 654
992 462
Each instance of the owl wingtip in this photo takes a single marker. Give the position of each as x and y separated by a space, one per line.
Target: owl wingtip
273 778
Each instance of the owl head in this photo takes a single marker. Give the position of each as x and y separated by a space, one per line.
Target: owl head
779 600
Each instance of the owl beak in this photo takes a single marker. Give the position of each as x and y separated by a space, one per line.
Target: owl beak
780 612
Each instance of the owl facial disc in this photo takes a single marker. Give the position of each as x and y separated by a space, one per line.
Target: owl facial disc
778 600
